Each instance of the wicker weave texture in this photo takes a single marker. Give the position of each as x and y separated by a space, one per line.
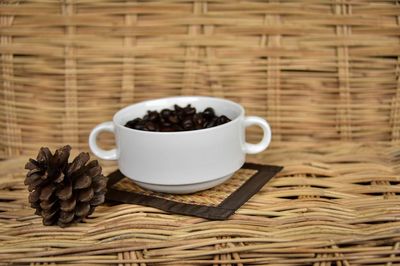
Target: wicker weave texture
210 197
317 70
332 205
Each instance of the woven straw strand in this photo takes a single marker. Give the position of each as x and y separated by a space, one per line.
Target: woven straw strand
318 71
333 204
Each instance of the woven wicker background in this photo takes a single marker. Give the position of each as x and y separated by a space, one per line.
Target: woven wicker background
325 74
317 70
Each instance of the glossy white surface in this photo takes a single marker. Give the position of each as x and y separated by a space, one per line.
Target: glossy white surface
165 159
105 155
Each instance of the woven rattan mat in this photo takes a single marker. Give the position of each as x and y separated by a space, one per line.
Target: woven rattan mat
332 204
216 203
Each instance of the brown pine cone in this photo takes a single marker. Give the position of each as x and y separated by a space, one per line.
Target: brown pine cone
61 192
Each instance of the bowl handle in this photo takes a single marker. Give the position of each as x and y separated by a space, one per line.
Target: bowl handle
103 154
264 143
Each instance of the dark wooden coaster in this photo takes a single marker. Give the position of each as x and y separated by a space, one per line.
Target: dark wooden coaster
217 203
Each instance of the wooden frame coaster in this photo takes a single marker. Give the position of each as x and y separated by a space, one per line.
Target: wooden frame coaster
216 203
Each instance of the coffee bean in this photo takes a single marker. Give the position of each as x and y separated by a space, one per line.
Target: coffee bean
222 120
198 119
181 116
177 128
177 119
173 118
187 124
165 113
133 122
136 120
167 129
188 110
177 108
165 122
151 126
212 123
179 111
208 112
153 115
139 127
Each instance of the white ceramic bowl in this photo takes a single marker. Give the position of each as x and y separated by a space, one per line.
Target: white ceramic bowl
181 162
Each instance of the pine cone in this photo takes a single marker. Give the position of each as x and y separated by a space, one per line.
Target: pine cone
61 192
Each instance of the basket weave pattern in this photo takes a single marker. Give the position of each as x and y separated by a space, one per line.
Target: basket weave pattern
325 74
211 197
332 205
316 70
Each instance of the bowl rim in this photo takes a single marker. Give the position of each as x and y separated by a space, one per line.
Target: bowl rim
119 125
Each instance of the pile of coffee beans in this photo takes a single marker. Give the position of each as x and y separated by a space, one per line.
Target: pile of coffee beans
177 119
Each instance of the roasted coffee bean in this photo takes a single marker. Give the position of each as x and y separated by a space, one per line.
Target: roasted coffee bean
130 124
139 127
177 108
133 122
179 112
177 128
153 115
198 119
187 124
165 122
189 110
208 112
165 113
167 129
173 118
212 123
222 120
137 120
151 126
181 116
177 119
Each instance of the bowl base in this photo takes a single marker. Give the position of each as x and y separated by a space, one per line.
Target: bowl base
183 189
